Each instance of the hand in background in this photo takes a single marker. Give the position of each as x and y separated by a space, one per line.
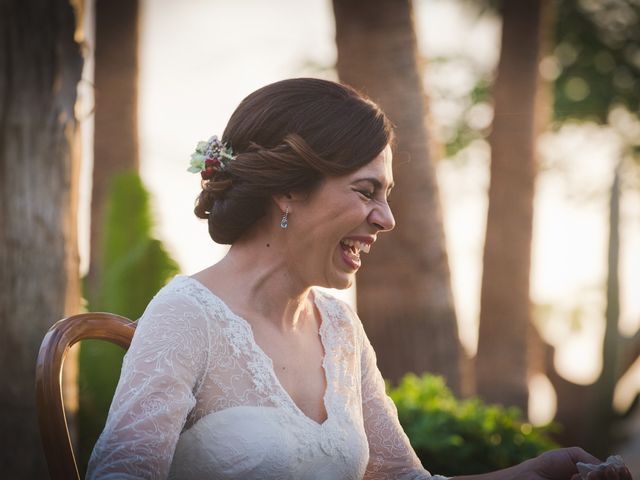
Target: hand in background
561 464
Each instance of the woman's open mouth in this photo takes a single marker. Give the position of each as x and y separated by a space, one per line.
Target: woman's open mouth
351 251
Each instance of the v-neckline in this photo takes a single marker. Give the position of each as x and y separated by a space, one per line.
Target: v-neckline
258 348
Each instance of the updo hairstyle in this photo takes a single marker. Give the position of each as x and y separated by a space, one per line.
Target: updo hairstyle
287 137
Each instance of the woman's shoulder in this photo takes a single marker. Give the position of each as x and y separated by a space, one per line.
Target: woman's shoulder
175 293
185 297
187 289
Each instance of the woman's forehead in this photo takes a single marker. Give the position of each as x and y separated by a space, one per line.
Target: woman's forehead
380 168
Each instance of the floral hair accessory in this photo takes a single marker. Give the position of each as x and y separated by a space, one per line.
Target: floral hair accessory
210 157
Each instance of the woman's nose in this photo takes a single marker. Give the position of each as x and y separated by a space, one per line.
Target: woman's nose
382 217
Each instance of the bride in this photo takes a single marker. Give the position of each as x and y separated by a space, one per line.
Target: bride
245 370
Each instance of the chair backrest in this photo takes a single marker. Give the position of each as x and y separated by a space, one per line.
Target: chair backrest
50 404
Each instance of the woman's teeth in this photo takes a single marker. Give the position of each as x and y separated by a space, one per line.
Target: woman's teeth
356 246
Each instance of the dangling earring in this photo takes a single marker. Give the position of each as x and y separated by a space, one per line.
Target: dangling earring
284 223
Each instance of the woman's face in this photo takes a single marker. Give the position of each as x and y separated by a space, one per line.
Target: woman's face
338 223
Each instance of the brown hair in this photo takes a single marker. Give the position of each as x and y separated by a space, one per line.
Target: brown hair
287 137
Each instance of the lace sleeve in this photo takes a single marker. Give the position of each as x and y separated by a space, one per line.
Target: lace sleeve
160 375
390 453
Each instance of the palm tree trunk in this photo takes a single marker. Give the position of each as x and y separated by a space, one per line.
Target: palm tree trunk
403 289
505 310
40 67
599 435
116 113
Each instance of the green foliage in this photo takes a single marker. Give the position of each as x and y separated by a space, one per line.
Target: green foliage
598 53
594 66
464 131
458 437
134 267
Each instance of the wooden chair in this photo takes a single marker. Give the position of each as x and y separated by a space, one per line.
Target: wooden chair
51 416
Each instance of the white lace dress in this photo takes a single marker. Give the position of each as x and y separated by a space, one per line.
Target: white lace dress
199 399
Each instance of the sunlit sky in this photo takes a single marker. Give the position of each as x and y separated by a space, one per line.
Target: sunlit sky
199 58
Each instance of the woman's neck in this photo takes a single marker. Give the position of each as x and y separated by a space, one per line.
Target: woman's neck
256 281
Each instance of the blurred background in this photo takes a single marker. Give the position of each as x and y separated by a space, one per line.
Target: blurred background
513 275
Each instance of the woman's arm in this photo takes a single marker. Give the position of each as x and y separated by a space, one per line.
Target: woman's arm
160 373
390 453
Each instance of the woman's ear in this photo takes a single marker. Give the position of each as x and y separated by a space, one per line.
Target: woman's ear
284 201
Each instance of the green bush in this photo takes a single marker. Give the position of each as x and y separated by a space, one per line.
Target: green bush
457 437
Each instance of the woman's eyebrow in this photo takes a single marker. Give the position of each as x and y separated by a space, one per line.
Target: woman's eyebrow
375 182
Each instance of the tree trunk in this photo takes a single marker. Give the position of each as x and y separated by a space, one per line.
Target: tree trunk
40 67
602 413
586 411
403 289
505 310
116 113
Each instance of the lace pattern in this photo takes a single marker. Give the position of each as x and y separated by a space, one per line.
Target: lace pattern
199 398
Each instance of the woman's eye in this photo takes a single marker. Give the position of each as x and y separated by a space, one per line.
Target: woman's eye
365 193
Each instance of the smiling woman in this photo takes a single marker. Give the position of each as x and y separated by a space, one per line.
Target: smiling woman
245 370
287 137
341 218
